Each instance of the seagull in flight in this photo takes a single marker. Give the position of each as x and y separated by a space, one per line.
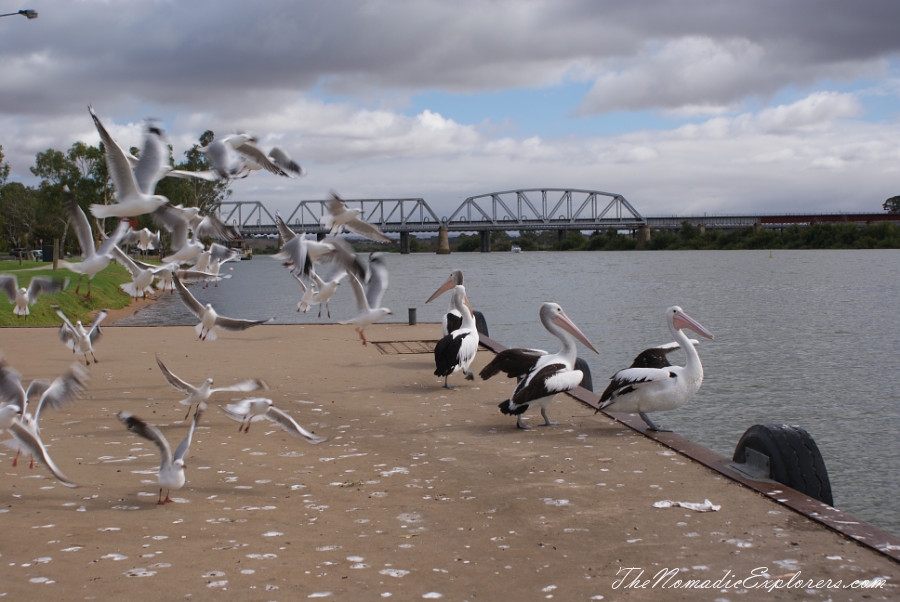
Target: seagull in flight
171 466
261 408
209 319
24 297
93 261
238 155
340 216
368 300
131 199
199 395
78 338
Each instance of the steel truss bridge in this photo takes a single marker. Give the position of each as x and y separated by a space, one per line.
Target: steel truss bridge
560 209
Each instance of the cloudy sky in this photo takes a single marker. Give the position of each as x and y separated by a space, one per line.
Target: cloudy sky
683 107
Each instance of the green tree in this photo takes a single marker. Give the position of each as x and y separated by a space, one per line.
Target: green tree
4 168
892 205
17 207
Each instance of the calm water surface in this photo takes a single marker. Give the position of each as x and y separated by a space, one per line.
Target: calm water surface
802 337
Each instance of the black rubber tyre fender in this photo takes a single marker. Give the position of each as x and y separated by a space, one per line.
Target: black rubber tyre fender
794 458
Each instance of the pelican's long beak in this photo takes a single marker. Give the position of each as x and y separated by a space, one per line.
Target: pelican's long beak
449 284
563 321
682 320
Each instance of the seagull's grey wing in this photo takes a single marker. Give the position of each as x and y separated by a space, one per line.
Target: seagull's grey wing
173 380
80 224
36 388
345 255
284 420
221 253
284 161
186 174
66 323
31 441
10 285
210 225
237 323
122 258
173 221
359 294
283 230
44 286
11 385
64 390
94 331
189 300
113 239
249 149
154 160
302 284
366 230
335 205
293 253
150 433
183 447
377 280
251 384
117 162
237 410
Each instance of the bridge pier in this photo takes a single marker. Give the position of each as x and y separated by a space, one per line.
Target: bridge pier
643 236
404 243
443 241
485 241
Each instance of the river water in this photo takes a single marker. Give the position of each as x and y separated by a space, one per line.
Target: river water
802 337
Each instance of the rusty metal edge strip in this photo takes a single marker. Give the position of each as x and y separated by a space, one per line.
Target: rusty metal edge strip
863 533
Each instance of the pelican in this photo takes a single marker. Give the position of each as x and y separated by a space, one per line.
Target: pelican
171 467
93 261
548 374
368 301
260 408
199 395
209 319
656 389
339 215
24 297
456 350
131 201
78 338
451 320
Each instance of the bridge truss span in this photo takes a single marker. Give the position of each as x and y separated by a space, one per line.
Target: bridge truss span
545 209
390 215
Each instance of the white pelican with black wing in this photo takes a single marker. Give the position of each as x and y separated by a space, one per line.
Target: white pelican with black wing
456 350
541 375
451 320
659 387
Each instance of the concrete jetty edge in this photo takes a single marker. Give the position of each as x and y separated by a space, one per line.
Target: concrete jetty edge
833 518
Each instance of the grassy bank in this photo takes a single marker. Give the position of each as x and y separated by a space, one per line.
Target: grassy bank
105 294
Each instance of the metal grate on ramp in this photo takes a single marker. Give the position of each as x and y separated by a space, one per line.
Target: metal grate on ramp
401 347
